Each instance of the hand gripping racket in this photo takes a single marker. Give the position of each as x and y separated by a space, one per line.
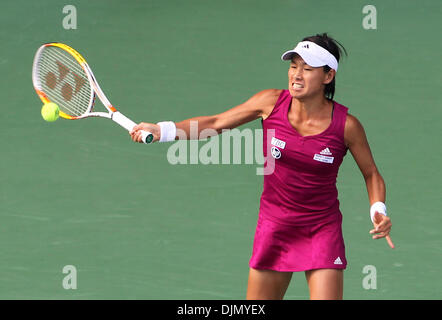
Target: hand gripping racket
61 75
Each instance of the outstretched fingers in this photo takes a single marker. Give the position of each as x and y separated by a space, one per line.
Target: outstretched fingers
382 228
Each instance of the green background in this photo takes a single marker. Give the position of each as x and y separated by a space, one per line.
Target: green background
135 227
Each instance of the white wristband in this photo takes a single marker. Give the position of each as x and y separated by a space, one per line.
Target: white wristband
168 131
377 207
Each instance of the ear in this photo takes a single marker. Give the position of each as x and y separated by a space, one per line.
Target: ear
329 76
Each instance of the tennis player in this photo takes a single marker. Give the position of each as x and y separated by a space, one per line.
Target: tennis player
300 224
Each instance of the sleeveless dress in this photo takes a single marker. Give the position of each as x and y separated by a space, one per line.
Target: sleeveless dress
299 226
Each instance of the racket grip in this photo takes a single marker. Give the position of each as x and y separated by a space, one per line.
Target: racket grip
146 137
128 124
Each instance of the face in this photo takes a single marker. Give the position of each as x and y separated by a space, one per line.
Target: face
306 81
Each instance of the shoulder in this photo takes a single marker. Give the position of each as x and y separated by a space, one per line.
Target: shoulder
352 123
353 130
267 100
268 95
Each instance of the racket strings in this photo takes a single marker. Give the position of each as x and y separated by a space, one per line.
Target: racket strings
56 95
64 81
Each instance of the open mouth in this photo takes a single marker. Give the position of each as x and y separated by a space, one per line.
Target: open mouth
297 86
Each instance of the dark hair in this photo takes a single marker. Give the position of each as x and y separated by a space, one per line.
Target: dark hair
336 49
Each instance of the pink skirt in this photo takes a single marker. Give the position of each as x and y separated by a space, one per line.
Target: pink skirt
289 248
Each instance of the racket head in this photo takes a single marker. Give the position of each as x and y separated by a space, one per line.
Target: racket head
61 75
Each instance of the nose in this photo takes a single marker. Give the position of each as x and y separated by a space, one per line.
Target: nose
298 74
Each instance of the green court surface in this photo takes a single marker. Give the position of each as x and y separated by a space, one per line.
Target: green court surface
134 226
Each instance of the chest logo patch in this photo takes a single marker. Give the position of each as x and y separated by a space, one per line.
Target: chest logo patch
326 152
278 143
276 153
324 156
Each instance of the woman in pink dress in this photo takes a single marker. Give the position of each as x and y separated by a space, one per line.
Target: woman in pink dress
306 134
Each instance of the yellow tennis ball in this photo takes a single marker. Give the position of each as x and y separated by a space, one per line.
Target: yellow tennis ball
50 111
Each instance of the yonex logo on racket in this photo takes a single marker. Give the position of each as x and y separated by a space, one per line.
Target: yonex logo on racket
67 91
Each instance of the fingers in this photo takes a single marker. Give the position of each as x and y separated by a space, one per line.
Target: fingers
378 217
387 237
382 229
139 126
381 223
390 243
380 235
136 135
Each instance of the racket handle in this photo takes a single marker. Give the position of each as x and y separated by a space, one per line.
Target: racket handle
146 136
128 124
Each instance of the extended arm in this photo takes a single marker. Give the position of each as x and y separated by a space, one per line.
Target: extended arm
259 105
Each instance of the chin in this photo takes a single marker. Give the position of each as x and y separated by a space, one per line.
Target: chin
297 95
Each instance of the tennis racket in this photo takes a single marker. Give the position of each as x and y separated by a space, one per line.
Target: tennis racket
61 75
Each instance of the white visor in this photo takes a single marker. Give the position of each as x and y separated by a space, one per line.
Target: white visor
313 54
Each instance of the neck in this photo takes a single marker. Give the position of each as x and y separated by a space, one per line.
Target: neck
311 107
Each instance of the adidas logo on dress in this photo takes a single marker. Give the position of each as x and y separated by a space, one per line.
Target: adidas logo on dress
338 261
326 151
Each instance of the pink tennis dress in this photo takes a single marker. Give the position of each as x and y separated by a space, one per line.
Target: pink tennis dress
300 225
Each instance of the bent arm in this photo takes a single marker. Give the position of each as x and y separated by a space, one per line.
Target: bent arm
356 141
